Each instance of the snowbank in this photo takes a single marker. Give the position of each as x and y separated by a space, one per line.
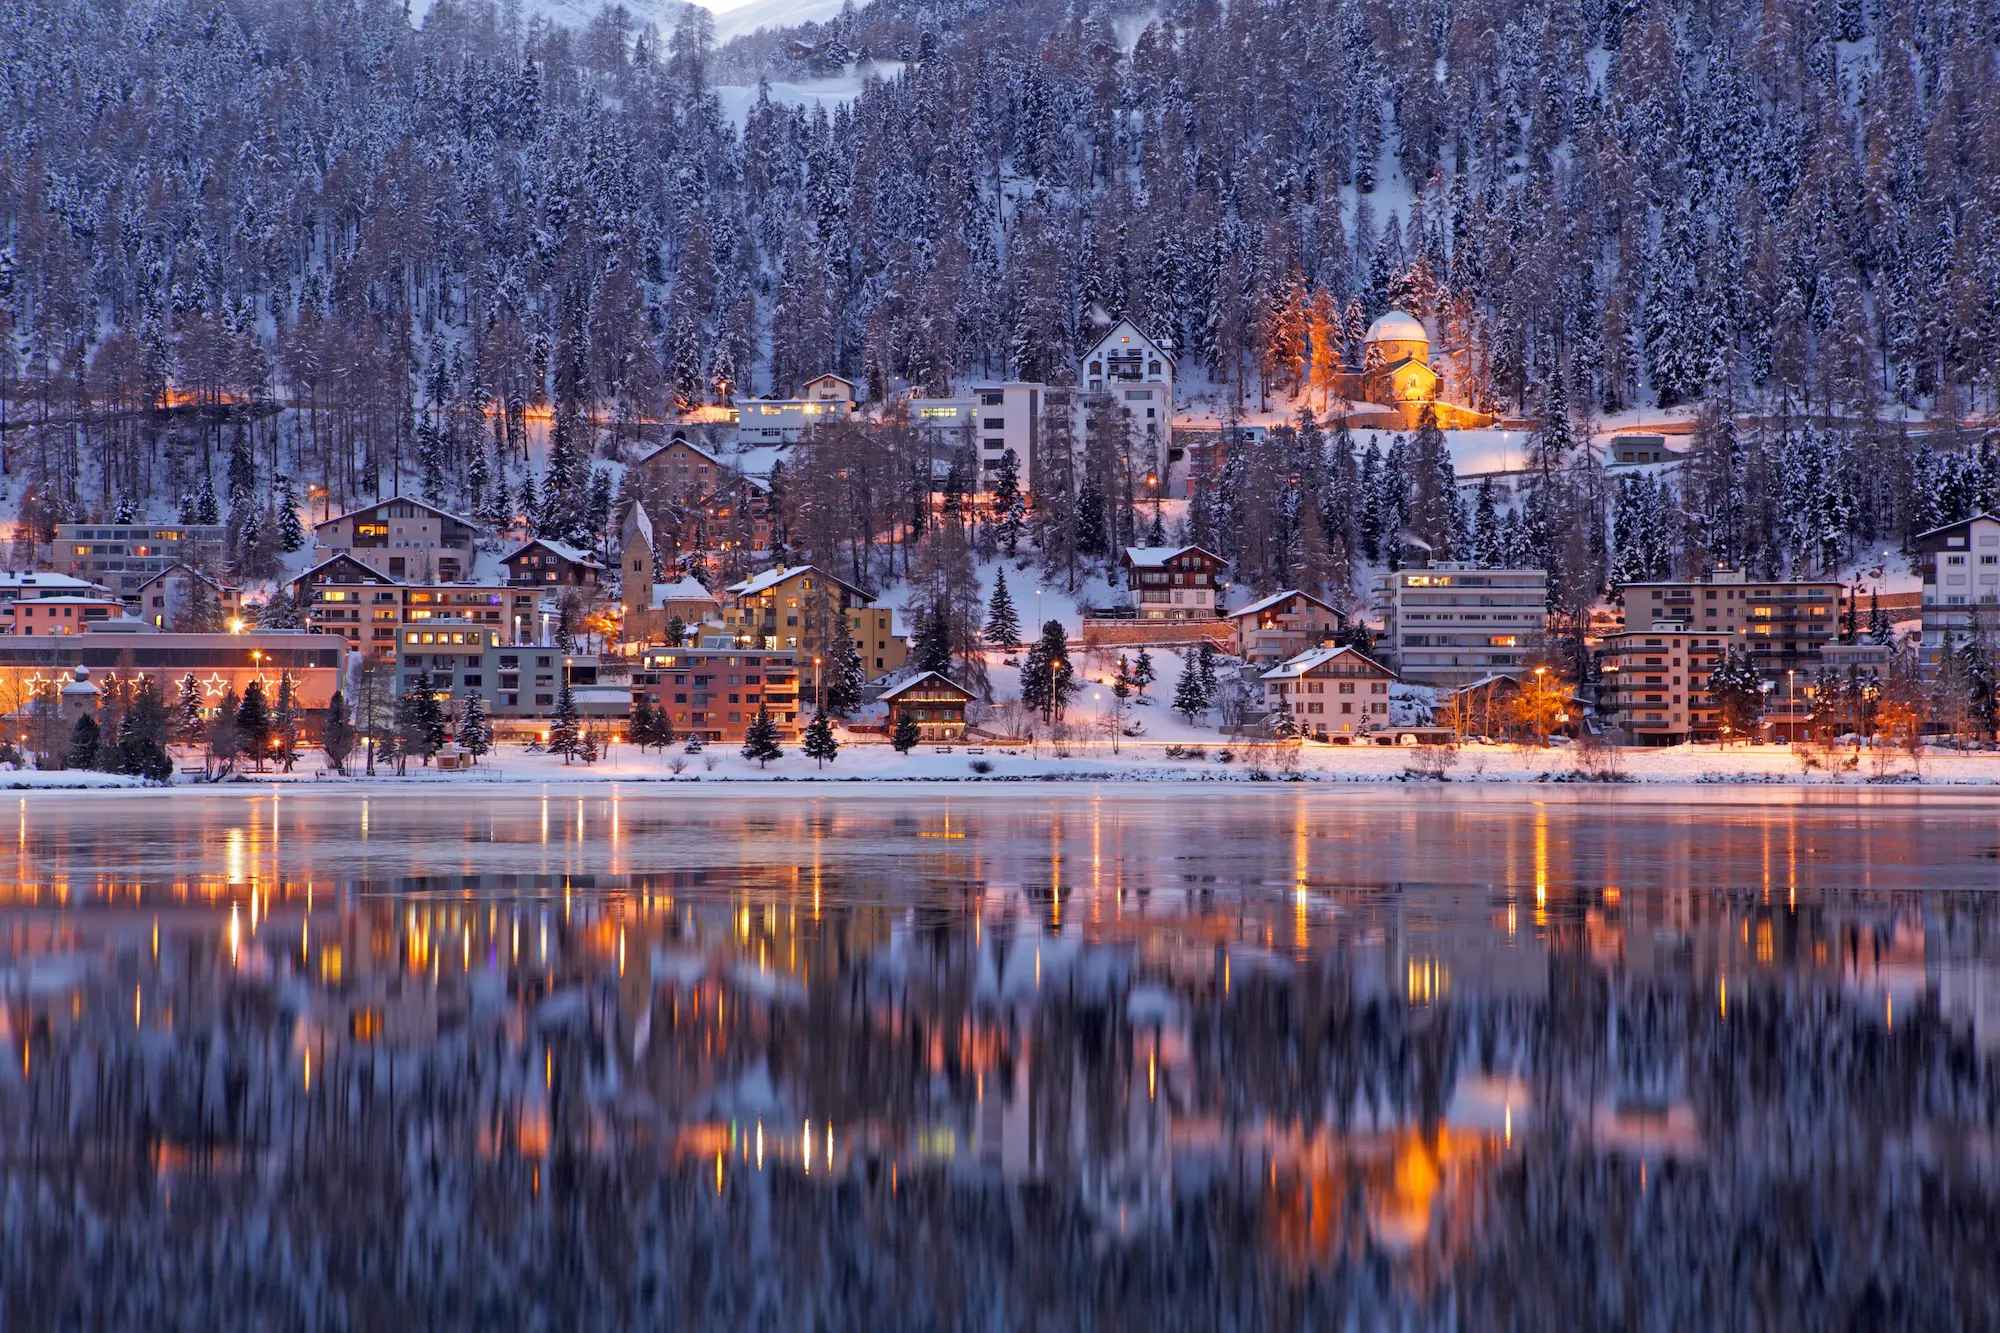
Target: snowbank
1148 761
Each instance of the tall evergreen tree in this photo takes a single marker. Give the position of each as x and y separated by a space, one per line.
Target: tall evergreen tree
760 738
1003 625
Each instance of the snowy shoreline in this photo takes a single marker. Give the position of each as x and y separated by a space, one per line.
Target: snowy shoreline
863 766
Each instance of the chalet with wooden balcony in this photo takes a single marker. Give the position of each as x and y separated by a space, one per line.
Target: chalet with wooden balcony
1173 582
934 702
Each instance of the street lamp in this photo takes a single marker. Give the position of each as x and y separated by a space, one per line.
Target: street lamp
819 698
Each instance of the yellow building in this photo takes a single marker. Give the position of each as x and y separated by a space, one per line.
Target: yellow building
786 608
1396 374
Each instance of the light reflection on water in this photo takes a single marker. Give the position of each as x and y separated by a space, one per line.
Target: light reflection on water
1096 1058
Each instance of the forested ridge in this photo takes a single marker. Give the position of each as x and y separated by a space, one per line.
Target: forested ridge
430 236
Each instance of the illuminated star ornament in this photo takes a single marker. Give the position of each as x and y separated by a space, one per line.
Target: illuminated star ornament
214 686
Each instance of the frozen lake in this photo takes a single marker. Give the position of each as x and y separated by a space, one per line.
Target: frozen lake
929 1057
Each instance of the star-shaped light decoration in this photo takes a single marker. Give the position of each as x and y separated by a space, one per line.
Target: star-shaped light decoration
214 686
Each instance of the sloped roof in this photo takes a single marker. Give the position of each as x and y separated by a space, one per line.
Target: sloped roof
918 679
368 575
182 567
1264 604
681 440
1156 557
43 579
397 499
682 590
636 517
1947 527
563 549
1319 657
771 578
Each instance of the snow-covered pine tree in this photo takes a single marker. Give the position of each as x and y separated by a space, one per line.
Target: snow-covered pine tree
820 744
1190 699
760 738
1003 624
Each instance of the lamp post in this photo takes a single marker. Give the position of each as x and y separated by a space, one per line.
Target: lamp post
1541 722
819 698
1791 704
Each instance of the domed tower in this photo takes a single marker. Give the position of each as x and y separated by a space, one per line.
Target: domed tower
1394 337
79 697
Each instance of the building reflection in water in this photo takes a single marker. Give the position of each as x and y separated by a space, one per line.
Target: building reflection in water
1036 1062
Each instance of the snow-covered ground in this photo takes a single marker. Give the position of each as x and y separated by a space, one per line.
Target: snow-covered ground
1098 760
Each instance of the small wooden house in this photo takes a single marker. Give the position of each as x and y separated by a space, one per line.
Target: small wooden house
934 702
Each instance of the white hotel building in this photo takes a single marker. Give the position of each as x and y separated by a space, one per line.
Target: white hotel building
1450 624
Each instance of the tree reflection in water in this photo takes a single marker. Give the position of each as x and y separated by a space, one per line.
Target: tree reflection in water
1145 1068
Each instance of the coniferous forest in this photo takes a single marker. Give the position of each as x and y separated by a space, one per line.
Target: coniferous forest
420 240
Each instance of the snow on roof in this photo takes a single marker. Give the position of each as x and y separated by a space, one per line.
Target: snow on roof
683 590
372 575
636 517
771 578
182 567
1319 657
918 679
72 599
1153 557
684 440
1266 603
563 549
1946 527
398 499
1398 326
42 579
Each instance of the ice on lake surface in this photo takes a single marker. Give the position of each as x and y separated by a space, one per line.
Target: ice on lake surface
1095 1058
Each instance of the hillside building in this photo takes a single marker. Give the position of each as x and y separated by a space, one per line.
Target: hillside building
403 538
1172 582
121 556
1397 375
1449 624
827 400
1960 565
788 608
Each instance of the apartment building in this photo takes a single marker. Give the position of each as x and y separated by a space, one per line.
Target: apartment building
1786 625
779 610
514 681
996 417
403 538
1960 565
1124 372
1654 681
367 608
1276 628
716 689
1449 624
828 400
121 556
167 599
59 615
